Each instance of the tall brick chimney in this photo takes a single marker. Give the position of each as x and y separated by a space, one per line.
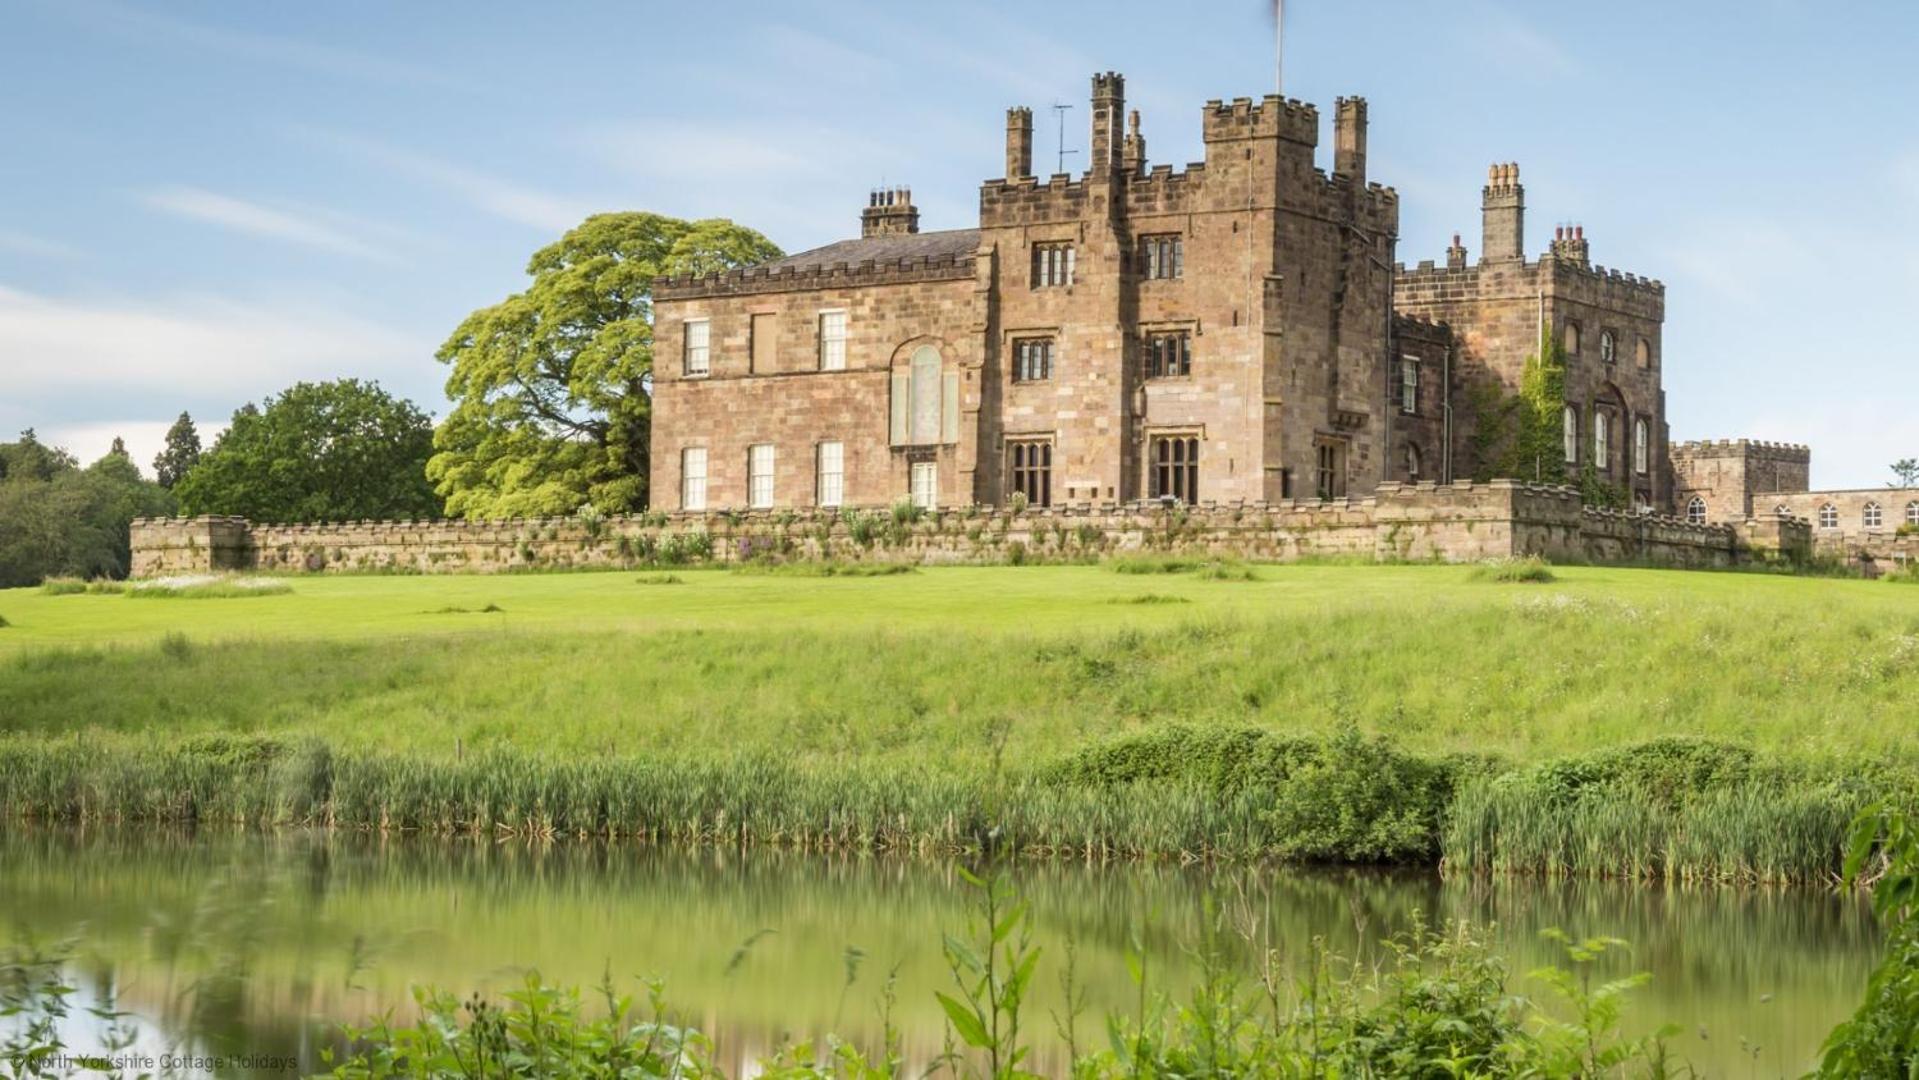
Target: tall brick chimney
1503 210
1349 138
890 212
1019 143
1109 104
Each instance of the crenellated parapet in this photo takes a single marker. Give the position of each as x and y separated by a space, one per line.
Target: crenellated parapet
760 279
1272 117
1797 453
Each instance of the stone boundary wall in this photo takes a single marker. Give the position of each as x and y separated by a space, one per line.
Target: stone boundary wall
1462 522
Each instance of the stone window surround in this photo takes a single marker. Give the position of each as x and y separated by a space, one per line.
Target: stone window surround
1571 336
1150 436
1872 516
1608 345
1011 340
845 338
686 347
1409 381
1148 330
1040 473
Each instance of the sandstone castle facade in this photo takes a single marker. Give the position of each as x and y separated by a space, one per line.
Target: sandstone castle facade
1236 331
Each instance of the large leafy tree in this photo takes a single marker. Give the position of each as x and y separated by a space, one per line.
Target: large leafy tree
59 519
331 451
181 454
551 386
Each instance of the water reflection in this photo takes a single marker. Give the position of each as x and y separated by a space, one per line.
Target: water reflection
250 943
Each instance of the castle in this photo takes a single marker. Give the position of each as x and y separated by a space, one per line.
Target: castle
1234 331
1105 351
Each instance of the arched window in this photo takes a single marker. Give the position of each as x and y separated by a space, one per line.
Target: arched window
1602 440
1912 513
1696 511
1872 517
1642 353
1569 339
1572 435
1608 349
1412 462
1828 516
1641 447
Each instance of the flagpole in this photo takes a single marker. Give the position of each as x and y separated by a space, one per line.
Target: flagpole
1279 47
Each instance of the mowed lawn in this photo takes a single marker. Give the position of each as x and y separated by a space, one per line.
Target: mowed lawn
964 664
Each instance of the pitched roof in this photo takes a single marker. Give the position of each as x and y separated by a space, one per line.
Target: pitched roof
883 250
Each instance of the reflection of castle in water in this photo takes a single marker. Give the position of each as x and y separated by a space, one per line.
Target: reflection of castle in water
242 942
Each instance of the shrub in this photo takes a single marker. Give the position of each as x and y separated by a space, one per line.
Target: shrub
907 512
1018 503
1531 570
4 623
1016 553
1360 800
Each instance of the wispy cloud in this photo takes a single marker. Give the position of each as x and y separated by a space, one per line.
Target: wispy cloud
306 227
268 49
187 347
38 247
492 195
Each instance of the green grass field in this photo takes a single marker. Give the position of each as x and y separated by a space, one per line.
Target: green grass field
962 662
1069 708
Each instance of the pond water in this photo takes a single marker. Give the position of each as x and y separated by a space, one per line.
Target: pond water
250 944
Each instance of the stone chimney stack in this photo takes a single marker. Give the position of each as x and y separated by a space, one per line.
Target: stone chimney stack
1569 245
1503 211
1109 104
1456 255
1349 138
1019 143
1133 156
890 212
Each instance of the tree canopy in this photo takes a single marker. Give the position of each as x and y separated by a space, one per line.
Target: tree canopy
551 387
331 451
57 519
181 454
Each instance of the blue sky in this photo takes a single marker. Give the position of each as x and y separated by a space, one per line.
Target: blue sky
201 203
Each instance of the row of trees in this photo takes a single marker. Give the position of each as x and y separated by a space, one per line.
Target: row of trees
551 412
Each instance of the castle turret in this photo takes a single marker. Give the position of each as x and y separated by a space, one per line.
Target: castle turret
1109 104
1019 143
1503 235
1349 138
890 212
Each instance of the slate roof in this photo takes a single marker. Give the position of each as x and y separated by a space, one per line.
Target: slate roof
883 250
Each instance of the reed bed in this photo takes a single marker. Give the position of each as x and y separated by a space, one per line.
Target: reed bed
1352 802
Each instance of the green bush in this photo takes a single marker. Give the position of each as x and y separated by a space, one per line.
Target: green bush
1359 799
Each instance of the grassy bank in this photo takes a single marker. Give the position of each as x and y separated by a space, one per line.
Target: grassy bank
950 708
